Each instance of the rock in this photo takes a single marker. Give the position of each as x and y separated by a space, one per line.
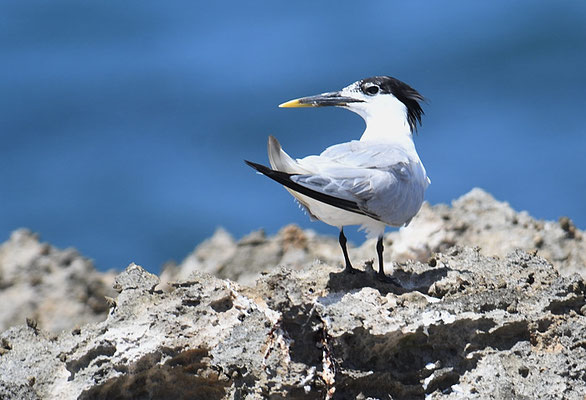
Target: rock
475 219
243 261
58 289
473 317
470 326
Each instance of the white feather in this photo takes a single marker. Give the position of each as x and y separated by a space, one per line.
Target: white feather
382 172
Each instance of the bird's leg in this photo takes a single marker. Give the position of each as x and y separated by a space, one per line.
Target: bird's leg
379 250
381 270
349 268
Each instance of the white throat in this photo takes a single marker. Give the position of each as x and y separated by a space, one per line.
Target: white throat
386 120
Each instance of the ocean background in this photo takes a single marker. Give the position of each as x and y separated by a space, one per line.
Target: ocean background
124 125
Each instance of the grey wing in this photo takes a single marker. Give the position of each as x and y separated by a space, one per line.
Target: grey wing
343 158
366 155
359 186
371 175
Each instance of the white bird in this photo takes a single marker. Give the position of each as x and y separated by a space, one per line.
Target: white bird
376 181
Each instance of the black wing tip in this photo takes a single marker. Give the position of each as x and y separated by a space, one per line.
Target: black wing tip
263 169
285 179
258 167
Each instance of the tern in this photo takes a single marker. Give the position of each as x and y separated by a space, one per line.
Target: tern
376 181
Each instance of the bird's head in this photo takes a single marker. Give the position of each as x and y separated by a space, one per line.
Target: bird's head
380 100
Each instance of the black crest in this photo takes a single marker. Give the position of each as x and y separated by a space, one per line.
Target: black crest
403 92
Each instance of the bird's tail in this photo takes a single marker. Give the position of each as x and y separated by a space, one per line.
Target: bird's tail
281 161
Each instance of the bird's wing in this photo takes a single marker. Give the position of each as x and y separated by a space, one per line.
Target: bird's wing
357 163
381 156
364 173
357 185
357 177
289 181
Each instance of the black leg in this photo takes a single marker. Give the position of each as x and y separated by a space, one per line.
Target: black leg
343 241
379 250
381 270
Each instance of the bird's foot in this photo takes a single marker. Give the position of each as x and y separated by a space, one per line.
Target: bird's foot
351 270
387 279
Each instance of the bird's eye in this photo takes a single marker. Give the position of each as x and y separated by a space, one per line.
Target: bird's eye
372 90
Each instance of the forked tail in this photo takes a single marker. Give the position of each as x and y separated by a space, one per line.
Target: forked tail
281 161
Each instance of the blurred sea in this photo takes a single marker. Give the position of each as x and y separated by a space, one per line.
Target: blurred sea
123 125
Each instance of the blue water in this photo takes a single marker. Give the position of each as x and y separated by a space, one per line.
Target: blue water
123 125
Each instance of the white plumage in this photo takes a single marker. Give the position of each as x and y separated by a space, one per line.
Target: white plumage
376 181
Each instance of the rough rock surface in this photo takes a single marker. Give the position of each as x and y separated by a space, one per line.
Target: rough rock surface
245 260
461 326
478 220
471 318
475 219
58 289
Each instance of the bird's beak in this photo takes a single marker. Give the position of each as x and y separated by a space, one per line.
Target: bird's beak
321 100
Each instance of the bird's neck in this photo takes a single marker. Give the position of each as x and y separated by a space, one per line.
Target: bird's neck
386 121
389 128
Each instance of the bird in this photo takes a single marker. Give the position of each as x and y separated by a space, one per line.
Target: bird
376 181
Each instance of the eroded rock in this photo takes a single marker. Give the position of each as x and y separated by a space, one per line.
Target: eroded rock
469 326
473 317
58 289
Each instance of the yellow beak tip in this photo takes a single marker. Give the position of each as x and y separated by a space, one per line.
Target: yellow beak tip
293 104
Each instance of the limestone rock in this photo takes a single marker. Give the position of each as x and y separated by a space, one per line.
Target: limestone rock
477 219
489 306
469 326
58 289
